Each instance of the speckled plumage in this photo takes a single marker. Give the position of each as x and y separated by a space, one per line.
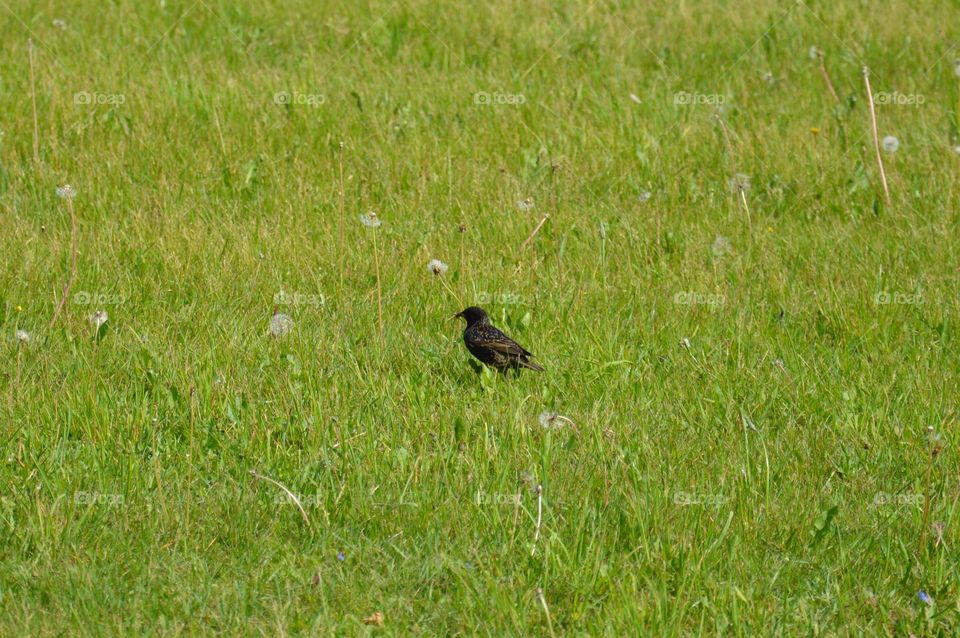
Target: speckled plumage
490 345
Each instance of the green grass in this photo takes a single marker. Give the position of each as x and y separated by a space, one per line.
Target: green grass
751 452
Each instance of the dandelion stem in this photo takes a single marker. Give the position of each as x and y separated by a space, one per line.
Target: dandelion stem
15 386
783 369
743 198
452 292
73 262
826 78
657 213
926 502
376 259
876 137
292 496
536 230
223 143
340 226
733 163
570 421
726 139
33 100
536 532
546 610
463 260
603 256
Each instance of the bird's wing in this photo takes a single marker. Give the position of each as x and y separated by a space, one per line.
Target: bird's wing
496 340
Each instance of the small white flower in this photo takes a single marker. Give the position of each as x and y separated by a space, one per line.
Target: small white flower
59 24
814 53
99 318
22 337
956 149
66 192
891 144
644 196
739 182
437 267
769 78
721 246
370 219
280 324
685 343
525 204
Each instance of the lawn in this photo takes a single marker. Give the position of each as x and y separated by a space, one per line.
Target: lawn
232 401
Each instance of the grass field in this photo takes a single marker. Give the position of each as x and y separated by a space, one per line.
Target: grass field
753 348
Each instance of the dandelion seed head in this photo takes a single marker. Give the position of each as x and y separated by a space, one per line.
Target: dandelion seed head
554 421
59 24
280 324
768 77
528 479
370 219
721 246
685 343
739 183
549 420
66 192
22 337
525 204
99 318
437 267
814 53
891 144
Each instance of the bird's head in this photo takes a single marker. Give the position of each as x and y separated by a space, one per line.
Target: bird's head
473 315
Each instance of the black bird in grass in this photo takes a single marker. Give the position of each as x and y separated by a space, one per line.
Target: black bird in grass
490 346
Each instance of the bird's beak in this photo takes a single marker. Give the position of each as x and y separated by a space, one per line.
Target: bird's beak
456 316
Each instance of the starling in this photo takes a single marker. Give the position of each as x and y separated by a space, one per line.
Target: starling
491 346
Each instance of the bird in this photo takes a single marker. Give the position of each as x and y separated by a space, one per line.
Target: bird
488 344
